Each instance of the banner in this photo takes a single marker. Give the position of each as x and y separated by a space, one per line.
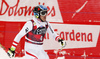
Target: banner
76 36
21 10
76 21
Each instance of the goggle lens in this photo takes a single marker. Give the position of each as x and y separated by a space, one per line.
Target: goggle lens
43 13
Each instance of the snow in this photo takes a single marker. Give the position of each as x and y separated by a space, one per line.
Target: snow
3 55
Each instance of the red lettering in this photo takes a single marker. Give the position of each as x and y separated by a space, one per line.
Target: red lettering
52 12
10 11
78 36
83 36
62 35
89 37
66 33
3 2
28 10
16 6
22 10
71 35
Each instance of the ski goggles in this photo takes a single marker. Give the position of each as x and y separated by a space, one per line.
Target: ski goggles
43 13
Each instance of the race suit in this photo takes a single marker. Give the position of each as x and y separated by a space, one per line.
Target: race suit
34 32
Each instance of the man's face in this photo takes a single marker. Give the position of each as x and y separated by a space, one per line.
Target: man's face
43 18
43 15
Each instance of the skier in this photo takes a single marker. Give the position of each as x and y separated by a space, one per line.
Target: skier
34 31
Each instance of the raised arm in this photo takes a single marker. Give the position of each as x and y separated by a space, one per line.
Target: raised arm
26 28
52 33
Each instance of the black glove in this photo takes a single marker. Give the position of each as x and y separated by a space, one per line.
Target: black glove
63 43
11 52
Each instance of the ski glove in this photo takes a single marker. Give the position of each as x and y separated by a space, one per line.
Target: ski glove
11 52
63 43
